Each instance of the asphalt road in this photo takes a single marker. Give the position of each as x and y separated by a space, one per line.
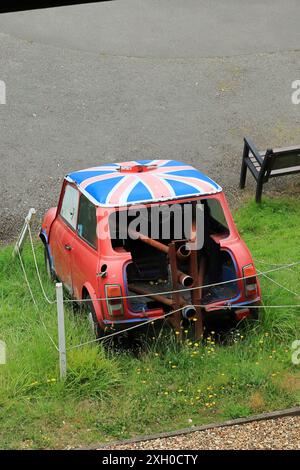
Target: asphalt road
135 79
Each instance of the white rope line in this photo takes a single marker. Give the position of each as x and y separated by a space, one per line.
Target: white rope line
270 264
228 307
34 301
140 324
238 307
279 285
190 288
187 289
37 268
26 278
127 329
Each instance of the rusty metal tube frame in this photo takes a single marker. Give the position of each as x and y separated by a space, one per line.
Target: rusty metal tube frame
185 279
182 252
160 298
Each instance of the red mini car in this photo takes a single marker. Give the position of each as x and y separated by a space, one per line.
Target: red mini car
140 239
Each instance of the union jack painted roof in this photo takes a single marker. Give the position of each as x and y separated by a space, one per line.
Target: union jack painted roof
142 181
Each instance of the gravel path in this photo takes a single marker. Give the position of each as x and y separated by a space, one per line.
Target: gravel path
280 433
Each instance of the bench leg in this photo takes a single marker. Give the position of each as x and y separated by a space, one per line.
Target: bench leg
259 189
243 174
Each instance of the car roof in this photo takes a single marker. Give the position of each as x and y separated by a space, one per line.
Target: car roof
142 181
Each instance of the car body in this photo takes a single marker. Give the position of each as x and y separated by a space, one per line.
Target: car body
81 253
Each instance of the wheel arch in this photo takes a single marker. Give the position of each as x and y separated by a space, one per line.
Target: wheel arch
88 290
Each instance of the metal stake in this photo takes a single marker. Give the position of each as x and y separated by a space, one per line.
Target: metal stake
61 331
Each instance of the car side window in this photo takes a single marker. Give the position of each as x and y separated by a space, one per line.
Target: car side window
217 217
87 222
69 207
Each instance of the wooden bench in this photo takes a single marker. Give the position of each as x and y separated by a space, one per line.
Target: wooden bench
268 164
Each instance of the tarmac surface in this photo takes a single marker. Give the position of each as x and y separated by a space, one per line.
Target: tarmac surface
133 79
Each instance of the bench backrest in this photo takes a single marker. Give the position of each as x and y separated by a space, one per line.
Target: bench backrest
283 158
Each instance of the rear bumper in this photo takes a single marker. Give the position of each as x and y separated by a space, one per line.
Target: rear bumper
239 310
121 324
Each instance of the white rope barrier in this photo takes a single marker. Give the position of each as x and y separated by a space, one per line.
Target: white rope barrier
34 300
187 289
152 320
225 307
279 285
162 317
37 268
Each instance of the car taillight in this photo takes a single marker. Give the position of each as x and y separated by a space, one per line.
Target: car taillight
250 282
115 306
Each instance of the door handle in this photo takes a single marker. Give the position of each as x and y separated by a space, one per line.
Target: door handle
68 247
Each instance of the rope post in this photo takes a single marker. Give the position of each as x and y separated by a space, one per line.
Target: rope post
21 240
61 331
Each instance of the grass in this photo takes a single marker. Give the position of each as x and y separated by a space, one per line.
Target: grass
110 395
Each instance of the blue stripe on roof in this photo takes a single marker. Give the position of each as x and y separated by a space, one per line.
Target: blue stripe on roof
193 174
174 163
101 189
139 193
80 176
182 189
144 162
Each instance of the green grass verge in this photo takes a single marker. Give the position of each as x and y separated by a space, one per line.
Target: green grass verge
109 395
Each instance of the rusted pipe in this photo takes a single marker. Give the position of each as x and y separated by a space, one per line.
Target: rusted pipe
189 312
185 279
183 252
150 241
160 298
